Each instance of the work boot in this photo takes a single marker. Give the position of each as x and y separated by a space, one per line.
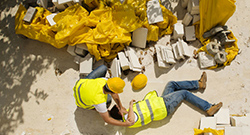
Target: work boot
203 81
213 109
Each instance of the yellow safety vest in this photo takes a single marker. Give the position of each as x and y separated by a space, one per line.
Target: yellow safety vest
89 92
151 108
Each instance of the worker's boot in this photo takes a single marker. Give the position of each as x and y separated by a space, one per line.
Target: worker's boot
213 109
203 81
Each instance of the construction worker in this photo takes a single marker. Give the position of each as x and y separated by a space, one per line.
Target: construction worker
93 92
153 107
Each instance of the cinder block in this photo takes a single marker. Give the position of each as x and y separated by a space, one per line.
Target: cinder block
123 61
206 60
139 38
82 46
160 61
184 49
133 59
240 121
187 19
86 64
233 131
193 7
208 122
190 33
154 12
50 19
196 18
223 117
165 40
220 57
29 14
115 68
213 47
71 50
178 30
184 3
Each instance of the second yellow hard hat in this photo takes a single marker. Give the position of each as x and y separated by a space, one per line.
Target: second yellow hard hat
139 82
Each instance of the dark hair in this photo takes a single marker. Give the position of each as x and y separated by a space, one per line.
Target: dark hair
106 88
114 113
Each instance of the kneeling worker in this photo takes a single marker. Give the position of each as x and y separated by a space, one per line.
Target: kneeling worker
93 92
153 108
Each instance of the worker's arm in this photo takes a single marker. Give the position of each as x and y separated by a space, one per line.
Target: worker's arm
112 121
116 97
131 115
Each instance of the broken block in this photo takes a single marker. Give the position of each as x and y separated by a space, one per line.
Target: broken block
178 30
139 38
223 117
165 40
50 19
133 59
177 51
187 19
154 12
115 68
71 50
190 33
193 7
29 14
86 64
123 61
208 122
206 60
161 62
196 18
184 48
82 46
169 54
240 121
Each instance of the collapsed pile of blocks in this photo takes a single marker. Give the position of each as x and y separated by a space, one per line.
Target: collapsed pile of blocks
232 125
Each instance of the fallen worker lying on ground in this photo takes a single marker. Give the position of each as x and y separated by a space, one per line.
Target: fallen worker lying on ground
93 92
153 107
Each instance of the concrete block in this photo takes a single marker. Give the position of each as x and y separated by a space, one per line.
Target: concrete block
233 131
139 38
154 12
166 53
206 60
190 33
178 30
50 19
80 51
208 122
220 57
133 59
82 46
115 68
240 121
193 7
184 48
30 14
123 61
165 40
184 3
160 61
213 47
196 18
71 50
177 49
223 117
187 19
86 64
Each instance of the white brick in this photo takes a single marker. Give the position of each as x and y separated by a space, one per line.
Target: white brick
185 50
233 131
187 19
178 30
133 59
166 53
139 38
154 12
193 7
85 65
161 62
208 122
222 116
190 33
123 61
29 14
240 121
71 50
82 46
165 40
196 18
206 60
50 19
115 68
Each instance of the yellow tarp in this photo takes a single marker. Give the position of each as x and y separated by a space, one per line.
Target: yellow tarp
208 130
214 13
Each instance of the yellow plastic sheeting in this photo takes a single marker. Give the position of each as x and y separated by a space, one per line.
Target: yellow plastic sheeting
208 130
213 13
230 49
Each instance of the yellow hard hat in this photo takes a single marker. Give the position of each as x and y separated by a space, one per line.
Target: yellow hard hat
139 82
116 84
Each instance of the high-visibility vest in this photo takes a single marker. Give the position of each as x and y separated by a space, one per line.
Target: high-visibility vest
89 92
151 108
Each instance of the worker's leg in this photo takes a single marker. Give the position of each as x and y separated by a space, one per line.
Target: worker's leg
180 85
173 99
98 72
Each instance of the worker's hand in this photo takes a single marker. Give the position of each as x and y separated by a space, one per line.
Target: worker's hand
129 123
131 102
122 111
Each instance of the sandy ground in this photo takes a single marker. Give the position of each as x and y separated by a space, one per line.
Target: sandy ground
31 93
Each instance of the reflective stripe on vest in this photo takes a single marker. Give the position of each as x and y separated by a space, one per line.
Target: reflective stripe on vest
140 114
150 109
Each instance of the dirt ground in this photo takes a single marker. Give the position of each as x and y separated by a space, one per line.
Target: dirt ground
36 101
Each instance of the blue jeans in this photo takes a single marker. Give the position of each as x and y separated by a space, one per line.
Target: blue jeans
98 73
175 92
